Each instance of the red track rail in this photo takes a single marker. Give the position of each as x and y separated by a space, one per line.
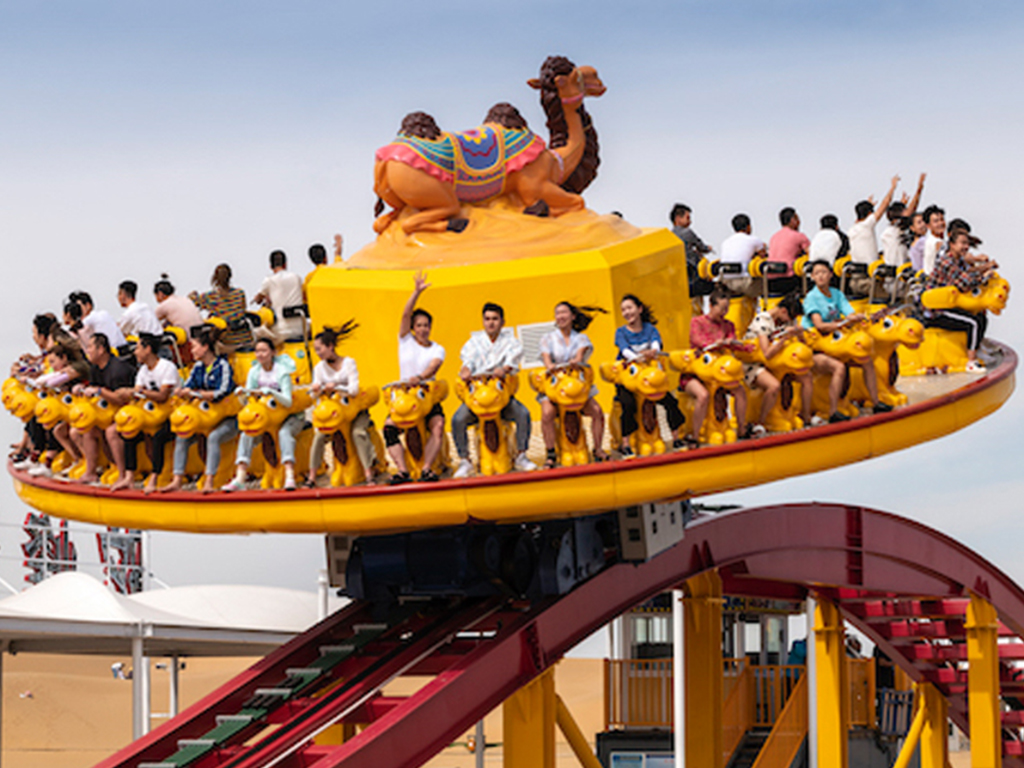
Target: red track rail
901 582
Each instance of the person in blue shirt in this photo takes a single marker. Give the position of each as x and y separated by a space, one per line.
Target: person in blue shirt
212 380
639 339
827 310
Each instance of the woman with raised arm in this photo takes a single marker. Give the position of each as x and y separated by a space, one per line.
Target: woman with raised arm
419 358
566 345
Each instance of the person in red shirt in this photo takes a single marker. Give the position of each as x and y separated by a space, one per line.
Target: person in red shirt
706 330
786 246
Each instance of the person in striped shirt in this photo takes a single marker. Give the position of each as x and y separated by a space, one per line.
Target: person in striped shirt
227 303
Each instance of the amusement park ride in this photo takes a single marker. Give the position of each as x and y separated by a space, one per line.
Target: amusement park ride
484 583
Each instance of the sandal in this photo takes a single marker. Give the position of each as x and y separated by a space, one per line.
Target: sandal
551 461
975 366
601 457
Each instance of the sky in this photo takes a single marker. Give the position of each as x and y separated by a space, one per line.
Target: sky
138 138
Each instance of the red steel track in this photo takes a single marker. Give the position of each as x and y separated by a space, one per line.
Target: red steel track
902 583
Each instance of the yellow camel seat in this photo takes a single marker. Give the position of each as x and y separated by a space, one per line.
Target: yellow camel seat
849 345
144 416
791 362
409 405
333 415
721 372
261 416
486 395
193 416
888 333
568 389
648 382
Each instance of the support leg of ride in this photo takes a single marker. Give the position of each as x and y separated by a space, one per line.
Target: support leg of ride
832 695
934 736
703 632
528 719
983 701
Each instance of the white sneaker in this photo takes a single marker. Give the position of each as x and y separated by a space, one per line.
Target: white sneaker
464 470
817 421
40 471
23 465
523 464
758 430
234 485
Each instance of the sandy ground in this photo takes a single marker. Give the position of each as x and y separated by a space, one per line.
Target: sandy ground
70 711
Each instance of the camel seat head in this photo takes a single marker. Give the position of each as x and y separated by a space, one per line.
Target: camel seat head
94 412
409 404
795 357
21 401
335 409
193 416
990 297
852 344
712 366
143 415
52 408
10 386
896 329
648 380
486 395
263 412
567 386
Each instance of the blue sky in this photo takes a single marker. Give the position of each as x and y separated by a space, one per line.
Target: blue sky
141 137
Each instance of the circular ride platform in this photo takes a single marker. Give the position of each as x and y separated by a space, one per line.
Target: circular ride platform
939 405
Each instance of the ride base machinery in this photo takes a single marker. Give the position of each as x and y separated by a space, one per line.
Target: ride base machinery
482 584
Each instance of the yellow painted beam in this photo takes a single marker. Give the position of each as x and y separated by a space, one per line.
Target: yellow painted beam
935 733
573 734
833 698
528 719
703 637
983 684
914 734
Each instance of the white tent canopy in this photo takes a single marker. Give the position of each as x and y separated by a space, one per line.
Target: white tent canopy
74 613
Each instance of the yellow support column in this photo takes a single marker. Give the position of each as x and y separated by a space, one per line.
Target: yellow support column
528 719
983 684
935 735
833 698
703 638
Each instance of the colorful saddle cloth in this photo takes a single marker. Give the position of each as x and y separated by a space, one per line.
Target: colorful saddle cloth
477 161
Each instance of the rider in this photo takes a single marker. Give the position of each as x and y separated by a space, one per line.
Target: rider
155 380
714 328
568 344
211 380
771 329
337 373
419 359
270 374
639 339
111 378
827 310
495 349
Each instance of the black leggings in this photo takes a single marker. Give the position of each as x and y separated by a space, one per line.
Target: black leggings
42 439
162 437
960 320
628 403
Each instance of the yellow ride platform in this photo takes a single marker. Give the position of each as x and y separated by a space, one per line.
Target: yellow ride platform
938 406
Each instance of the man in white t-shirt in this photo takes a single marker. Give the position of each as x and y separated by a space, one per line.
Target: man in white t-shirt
281 290
137 317
155 380
863 242
895 251
829 244
739 248
98 321
419 359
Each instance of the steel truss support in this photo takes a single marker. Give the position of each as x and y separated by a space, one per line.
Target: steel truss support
703 633
833 700
983 684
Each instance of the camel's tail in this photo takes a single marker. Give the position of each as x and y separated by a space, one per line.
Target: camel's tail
379 183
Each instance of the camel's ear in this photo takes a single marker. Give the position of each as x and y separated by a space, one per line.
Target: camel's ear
537 379
534 82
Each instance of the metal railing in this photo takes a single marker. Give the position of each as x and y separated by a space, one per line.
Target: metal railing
638 693
789 731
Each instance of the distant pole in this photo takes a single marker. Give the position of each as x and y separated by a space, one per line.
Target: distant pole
174 686
144 560
481 743
679 678
323 592
139 687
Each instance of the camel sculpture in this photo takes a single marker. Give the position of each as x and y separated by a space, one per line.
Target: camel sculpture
486 395
195 416
435 172
20 399
648 382
409 406
262 416
51 408
721 372
94 412
851 344
793 361
333 415
147 417
888 333
568 389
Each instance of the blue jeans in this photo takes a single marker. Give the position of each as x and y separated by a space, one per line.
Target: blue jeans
287 436
515 412
218 436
